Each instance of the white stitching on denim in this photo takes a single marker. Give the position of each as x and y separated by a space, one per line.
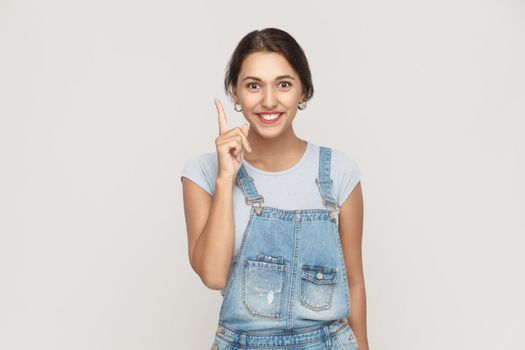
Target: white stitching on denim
329 286
260 264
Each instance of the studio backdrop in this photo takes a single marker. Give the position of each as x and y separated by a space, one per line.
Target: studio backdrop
103 102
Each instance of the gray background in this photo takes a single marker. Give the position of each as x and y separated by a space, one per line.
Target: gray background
101 102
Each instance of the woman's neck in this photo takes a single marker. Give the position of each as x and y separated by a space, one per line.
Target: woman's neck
275 154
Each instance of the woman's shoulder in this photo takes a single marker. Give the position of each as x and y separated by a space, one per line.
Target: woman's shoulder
343 157
345 172
201 168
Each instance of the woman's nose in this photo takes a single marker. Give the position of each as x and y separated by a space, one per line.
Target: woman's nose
269 99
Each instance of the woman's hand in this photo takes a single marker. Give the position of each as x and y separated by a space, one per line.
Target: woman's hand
230 145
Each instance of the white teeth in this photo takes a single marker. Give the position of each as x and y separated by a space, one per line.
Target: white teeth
269 116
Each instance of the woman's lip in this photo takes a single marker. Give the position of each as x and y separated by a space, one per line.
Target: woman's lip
269 121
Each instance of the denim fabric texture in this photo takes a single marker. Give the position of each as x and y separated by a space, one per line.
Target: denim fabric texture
277 186
287 288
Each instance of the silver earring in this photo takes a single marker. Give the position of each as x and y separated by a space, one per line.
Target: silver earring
235 107
302 105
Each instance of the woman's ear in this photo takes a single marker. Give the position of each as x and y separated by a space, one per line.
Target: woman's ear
303 95
234 94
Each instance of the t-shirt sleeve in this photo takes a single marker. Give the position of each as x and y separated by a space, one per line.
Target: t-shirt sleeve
199 169
346 175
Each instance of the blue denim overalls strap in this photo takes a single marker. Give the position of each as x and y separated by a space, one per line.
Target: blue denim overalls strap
289 274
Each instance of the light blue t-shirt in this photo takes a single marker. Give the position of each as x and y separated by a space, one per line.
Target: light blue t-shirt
293 188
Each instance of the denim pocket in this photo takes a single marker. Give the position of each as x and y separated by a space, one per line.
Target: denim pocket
263 286
317 286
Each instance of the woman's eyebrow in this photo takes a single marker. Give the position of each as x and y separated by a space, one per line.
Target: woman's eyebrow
277 78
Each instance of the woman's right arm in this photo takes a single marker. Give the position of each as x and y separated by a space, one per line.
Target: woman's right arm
210 227
209 219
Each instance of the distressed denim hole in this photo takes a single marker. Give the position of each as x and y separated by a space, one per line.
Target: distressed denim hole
263 286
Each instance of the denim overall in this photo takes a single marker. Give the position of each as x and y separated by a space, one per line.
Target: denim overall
287 288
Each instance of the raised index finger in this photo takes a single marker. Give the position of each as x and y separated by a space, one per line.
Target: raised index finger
222 116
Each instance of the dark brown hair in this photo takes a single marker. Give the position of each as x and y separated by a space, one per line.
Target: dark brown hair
270 40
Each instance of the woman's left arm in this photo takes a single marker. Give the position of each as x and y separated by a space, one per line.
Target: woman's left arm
351 233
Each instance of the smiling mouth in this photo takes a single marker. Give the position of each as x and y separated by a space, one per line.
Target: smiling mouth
268 118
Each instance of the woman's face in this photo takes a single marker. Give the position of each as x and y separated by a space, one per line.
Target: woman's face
267 83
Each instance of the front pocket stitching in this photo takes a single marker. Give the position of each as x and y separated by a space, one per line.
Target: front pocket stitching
306 303
305 278
325 270
266 265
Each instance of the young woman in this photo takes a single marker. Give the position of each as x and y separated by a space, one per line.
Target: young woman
275 221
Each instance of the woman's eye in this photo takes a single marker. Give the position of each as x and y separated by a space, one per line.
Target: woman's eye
250 85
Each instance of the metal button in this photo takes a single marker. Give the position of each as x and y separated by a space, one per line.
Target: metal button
319 276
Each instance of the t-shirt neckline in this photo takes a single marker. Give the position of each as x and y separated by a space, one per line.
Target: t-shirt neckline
282 172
